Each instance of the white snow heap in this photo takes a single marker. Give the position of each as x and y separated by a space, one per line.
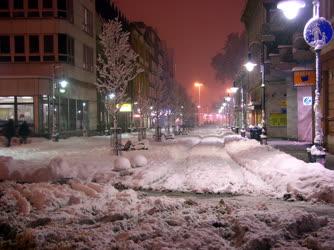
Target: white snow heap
138 161
121 163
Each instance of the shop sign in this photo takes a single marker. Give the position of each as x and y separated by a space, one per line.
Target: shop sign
304 78
283 103
277 120
307 100
126 107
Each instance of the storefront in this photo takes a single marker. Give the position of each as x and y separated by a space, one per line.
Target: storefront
18 108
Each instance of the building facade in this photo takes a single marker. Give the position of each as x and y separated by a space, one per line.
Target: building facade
41 43
278 44
327 94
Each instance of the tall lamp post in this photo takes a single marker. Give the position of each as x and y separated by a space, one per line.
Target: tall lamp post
233 91
199 85
57 88
227 101
250 65
318 32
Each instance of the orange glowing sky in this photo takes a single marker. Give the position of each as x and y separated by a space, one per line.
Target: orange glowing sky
197 30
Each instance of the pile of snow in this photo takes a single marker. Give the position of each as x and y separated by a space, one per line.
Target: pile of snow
88 215
121 163
138 161
284 172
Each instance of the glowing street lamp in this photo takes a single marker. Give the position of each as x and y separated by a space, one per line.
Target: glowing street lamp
291 8
318 32
59 87
250 64
112 96
199 85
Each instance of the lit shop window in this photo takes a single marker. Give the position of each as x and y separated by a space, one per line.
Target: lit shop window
6 109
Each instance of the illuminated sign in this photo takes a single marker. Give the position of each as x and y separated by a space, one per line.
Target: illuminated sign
277 120
307 100
126 107
304 78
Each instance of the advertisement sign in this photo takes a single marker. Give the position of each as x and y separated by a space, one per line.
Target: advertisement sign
304 78
277 120
126 107
307 100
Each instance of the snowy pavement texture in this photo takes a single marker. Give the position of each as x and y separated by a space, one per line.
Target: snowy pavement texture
63 196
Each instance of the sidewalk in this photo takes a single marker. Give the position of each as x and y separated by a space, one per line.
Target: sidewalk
298 150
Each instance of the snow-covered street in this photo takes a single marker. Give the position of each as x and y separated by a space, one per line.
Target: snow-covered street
72 194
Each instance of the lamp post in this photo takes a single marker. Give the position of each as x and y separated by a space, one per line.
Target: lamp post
250 65
318 32
199 85
243 127
234 90
57 88
227 101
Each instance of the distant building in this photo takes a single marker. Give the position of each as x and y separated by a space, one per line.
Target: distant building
42 42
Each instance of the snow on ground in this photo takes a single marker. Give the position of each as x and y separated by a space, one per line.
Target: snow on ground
210 160
284 172
78 206
86 215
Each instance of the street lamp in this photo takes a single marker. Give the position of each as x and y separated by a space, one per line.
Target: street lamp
234 90
199 85
57 88
291 8
318 32
250 64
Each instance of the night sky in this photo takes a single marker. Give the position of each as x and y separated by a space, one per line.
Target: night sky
197 30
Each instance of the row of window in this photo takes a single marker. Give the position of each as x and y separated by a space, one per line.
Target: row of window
36 8
45 8
41 48
36 48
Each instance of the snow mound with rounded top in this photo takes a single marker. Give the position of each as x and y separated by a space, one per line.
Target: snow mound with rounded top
138 161
121 163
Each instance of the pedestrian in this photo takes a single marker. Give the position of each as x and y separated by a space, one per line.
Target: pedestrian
9 131
24 132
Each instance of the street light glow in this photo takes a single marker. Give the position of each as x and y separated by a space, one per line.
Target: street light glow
290 8
112 95
198 84
250 66
234 90
63 83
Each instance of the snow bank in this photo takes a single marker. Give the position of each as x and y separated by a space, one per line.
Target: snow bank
138 161
121 163
284 172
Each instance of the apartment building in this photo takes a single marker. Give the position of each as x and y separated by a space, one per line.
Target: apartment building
43 42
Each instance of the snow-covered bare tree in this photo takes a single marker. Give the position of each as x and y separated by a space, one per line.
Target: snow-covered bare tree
144 109
116 66
159 98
